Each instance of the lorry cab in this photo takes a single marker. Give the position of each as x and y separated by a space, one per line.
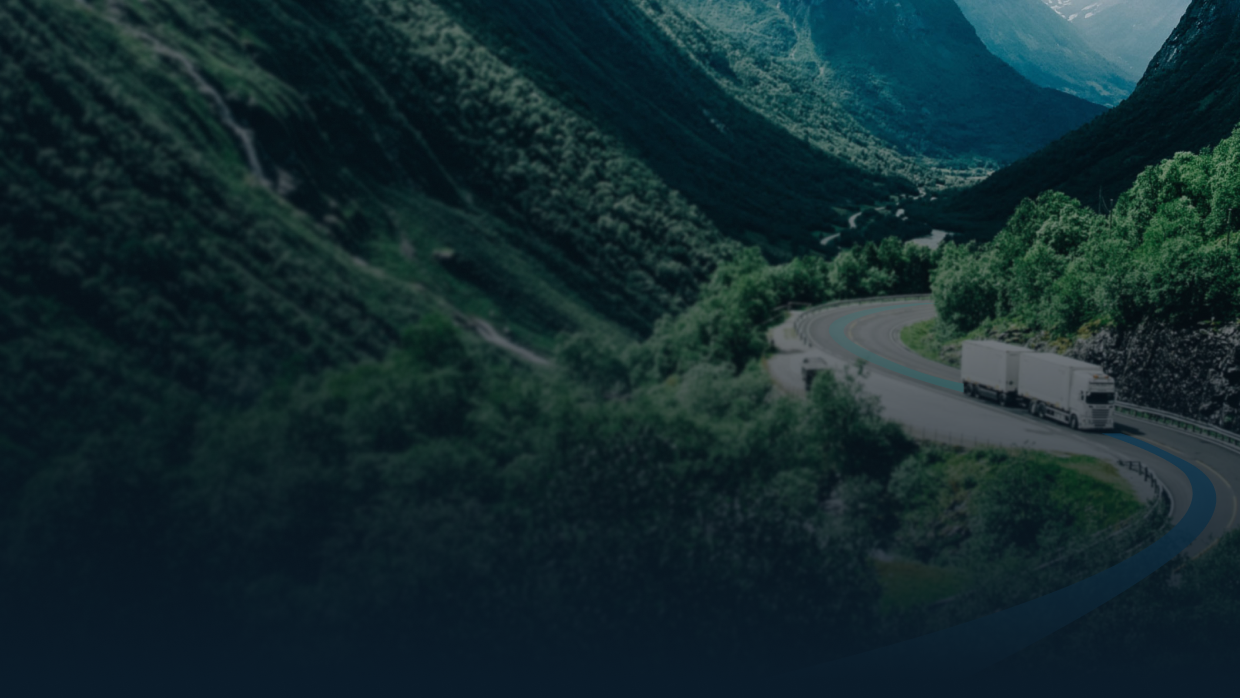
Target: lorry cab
1066 390
1097 403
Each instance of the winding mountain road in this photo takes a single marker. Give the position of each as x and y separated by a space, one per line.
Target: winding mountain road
926 398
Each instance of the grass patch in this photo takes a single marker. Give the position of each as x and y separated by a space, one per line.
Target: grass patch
1099 470
924 338
1095 492
490 278
961 509
1090 488
909 584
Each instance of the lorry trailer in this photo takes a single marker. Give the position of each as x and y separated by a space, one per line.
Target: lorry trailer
991 369
1066 390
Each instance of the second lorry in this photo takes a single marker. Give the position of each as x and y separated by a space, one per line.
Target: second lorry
991 369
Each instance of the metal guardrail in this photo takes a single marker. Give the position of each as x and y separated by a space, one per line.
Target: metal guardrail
1126 525
1228 439
1151 477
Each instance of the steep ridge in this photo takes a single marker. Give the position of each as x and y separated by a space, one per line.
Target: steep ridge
1045 48
914 71
1189 99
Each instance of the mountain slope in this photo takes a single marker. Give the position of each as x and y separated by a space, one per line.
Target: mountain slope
1043 47
235 402
755 180
1188 99
914 71
756 64
192 212
1127 32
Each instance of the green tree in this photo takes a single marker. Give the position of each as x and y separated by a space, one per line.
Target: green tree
965 292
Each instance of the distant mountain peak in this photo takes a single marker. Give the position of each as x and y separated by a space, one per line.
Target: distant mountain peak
1126 32
1073 10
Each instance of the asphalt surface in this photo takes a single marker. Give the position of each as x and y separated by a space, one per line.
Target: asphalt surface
942 414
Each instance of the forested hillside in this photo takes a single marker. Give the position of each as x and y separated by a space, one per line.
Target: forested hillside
250 442
1167 253
1046 48
914 72
1189 99
236 237
752 57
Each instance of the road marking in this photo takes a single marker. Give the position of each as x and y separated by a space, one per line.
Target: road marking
1216 474
1161 445
1235 504
841 332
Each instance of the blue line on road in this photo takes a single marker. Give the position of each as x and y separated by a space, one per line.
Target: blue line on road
973 646
839 332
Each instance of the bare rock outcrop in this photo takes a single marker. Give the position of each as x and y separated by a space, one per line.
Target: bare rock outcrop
1194 373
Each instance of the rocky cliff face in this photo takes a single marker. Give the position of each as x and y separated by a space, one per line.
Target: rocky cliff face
1199 21
1192 373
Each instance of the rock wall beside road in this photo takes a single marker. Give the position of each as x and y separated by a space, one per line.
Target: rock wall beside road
1194 373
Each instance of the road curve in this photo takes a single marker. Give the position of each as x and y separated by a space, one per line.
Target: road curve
902 379
879 334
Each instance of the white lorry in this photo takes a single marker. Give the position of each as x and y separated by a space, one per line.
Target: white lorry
991 369
1076 393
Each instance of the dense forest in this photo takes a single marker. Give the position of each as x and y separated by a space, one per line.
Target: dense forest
233 206
1166 253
